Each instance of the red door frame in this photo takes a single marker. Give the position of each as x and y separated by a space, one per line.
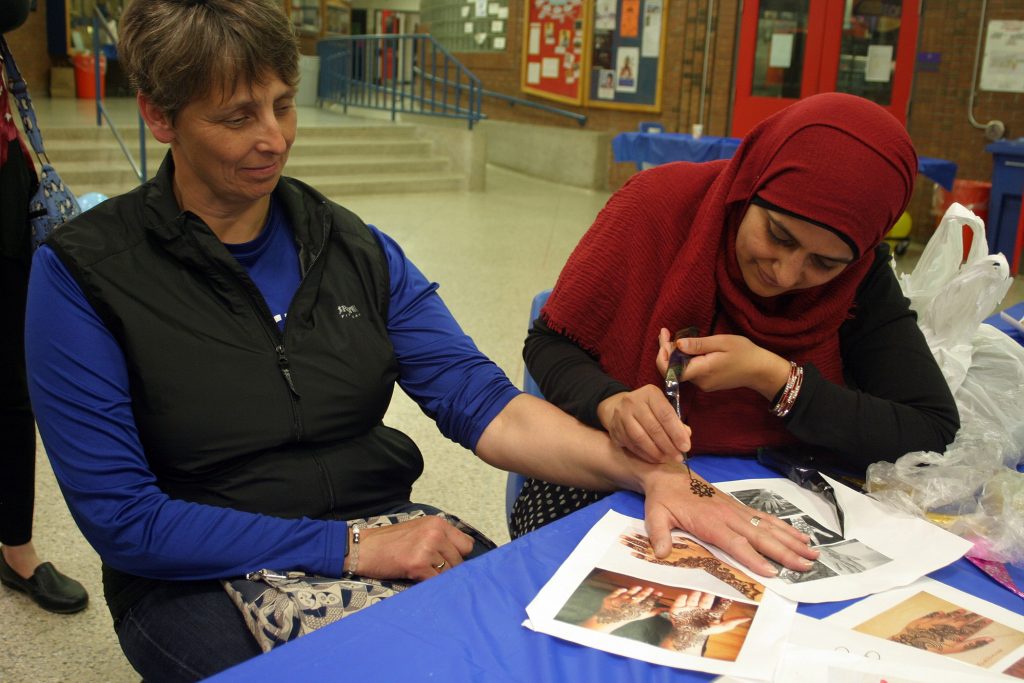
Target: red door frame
821 61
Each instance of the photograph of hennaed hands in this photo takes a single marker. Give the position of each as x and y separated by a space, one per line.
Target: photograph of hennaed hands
691 609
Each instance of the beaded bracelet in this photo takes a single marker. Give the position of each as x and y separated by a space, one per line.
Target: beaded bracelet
790 391
353 551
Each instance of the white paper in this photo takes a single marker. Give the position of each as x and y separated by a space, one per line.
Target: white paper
627 66
780 54
465 10
481 8
605 15
879 66
1003 66
493 7
533 72
606 84
650 44
956 626
549 67
581 603
533 43
503 12
498 42
497 26
882 549
467 27
480 38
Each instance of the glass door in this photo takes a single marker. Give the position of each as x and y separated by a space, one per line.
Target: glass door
790 49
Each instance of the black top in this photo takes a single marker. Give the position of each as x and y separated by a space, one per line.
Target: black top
896 400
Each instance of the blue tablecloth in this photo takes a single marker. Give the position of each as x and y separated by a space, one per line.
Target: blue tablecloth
466 623
661 148
1016 312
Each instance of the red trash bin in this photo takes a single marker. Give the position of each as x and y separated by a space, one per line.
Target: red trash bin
85 76
973 194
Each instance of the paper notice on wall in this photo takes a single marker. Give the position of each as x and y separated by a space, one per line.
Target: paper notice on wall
533 73
481 8
626 64
605 15
492 8
497 26
467 27
549 67
879 66
465 10
503 12
606 84
1003 67
629 24
780 54
650 43
498 42
533 42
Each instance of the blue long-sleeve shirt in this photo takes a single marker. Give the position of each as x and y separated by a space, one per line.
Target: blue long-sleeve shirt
79 386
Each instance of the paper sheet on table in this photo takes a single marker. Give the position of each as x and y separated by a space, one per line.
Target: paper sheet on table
700 612
882 548
819 652
956 626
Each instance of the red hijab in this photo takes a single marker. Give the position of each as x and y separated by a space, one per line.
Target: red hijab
662 254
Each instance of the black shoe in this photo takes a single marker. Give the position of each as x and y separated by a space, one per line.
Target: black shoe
50 589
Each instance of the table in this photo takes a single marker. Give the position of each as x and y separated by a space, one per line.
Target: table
661 148
465 624
1017 312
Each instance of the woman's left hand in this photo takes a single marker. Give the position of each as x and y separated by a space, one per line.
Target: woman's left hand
727 361
748 535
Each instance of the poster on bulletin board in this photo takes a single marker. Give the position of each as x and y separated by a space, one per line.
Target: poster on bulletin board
626 45
553 49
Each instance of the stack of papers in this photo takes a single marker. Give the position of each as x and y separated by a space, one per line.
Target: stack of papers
699 609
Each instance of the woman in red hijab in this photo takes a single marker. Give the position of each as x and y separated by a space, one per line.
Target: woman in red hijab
776 257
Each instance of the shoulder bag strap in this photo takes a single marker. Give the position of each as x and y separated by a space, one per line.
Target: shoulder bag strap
16 84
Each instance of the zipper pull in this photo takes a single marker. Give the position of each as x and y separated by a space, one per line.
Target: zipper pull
264 574
282 363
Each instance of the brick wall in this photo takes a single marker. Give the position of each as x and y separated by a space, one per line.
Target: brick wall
28 44
938 120
683 66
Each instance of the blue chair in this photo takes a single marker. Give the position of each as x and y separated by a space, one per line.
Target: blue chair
514 483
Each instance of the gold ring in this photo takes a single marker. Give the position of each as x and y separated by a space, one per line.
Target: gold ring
755 520
439 567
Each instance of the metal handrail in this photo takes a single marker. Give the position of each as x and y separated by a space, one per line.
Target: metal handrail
513 100
99 22
385 71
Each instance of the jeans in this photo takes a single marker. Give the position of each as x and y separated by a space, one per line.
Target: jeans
189 630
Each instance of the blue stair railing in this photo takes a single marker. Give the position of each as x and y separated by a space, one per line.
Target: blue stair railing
380 72
99 24
407 74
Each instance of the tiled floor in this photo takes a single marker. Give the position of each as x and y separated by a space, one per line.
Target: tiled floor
491 251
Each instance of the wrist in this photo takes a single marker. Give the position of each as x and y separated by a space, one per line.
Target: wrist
606 409
774 378
351 564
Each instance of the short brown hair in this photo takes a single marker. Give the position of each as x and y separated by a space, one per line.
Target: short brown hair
177 51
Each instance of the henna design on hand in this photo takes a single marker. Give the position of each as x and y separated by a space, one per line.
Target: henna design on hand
699 488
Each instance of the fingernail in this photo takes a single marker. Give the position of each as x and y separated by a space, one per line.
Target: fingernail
807 563
772 570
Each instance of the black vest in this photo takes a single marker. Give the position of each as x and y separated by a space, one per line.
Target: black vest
230 411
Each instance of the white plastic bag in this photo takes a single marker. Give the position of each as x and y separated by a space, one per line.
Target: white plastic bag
973 489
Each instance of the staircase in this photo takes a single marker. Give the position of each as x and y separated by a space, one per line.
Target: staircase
339 161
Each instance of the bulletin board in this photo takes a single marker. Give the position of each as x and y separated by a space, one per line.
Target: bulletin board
626 49
554 50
